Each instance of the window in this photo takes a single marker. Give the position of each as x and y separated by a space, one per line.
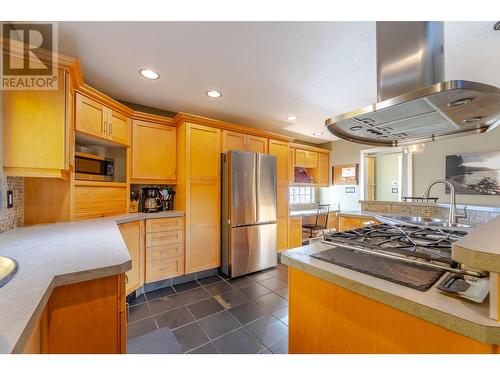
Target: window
301 195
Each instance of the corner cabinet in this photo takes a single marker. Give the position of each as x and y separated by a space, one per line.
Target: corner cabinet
133 236
153 152
94 119
36 128
281 151
198 194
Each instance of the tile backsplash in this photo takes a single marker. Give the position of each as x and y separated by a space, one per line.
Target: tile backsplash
11 218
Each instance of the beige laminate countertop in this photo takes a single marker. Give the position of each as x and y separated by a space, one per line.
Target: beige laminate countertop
480 249
466 318
53 255
309 212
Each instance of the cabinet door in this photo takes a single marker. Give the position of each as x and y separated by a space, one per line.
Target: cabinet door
291 166
323 169
90 116
280 150
133 236
312 159
153 151
256 144
203 221
294 232
34 132
117 127
203 158
301 158
233 141
91 202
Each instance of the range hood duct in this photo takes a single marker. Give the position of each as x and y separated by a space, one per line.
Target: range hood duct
415 104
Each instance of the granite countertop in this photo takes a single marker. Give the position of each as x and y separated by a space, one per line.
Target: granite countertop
308 212
466 318
53 255
480 249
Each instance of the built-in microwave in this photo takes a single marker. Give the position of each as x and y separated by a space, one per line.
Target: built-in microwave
94 167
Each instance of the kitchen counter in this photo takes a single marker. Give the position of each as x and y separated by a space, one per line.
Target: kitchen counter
309 212
54 255
466 318
480 249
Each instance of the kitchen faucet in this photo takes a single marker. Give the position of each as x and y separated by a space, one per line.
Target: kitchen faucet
453 216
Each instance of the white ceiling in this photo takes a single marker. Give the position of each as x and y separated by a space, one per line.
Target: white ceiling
265 70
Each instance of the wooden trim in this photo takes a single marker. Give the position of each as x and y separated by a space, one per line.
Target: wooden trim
182 117
309 148
145 181
100 183
33 172
148 117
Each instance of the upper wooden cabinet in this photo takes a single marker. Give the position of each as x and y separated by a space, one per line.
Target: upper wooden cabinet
36 131
243 142
153 152
281 151
203 152
306 159
97 120
323 169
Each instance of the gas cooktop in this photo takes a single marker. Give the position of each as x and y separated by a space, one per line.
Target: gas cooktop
405 254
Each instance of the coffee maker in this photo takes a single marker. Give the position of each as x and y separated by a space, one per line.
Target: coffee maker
152 200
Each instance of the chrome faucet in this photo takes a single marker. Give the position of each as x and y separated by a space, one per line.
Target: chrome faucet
453 216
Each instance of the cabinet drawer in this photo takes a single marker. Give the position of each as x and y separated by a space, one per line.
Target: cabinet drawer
164 251
164 224
163 238
161 269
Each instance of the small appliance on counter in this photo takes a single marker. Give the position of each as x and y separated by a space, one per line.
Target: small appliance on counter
134 201
152 200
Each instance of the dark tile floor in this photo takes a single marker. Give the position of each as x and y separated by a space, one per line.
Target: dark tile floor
246 315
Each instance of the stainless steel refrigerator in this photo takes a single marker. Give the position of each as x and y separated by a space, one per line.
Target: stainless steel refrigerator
249 229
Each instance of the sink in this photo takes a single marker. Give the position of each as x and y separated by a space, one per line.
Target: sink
8 268
421 221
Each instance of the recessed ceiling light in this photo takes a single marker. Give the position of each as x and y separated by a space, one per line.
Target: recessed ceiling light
291 118
149 74
213 94
318 134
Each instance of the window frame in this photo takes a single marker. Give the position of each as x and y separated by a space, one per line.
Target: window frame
311 194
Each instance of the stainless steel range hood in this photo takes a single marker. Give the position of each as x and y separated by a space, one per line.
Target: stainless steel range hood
414 104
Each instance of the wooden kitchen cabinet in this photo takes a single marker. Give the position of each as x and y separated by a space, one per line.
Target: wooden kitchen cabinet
92 201
88 317
164 248
95 119
153 152
133 236
281 151
323 169
198 194
306 159
36 131
348 222
243 142
294 231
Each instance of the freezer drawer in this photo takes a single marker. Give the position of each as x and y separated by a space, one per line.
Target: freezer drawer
252 248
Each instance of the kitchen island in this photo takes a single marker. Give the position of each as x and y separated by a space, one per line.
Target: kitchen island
333 309
68 295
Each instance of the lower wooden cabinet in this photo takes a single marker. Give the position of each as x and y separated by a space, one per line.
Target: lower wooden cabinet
83 318
294 231
133 236
164 248
348 222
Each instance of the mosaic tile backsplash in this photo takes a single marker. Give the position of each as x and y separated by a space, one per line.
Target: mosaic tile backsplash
11 218
475 216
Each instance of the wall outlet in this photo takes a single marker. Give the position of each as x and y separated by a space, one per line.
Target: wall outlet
10 199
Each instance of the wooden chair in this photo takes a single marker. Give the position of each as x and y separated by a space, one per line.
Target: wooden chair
321 220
